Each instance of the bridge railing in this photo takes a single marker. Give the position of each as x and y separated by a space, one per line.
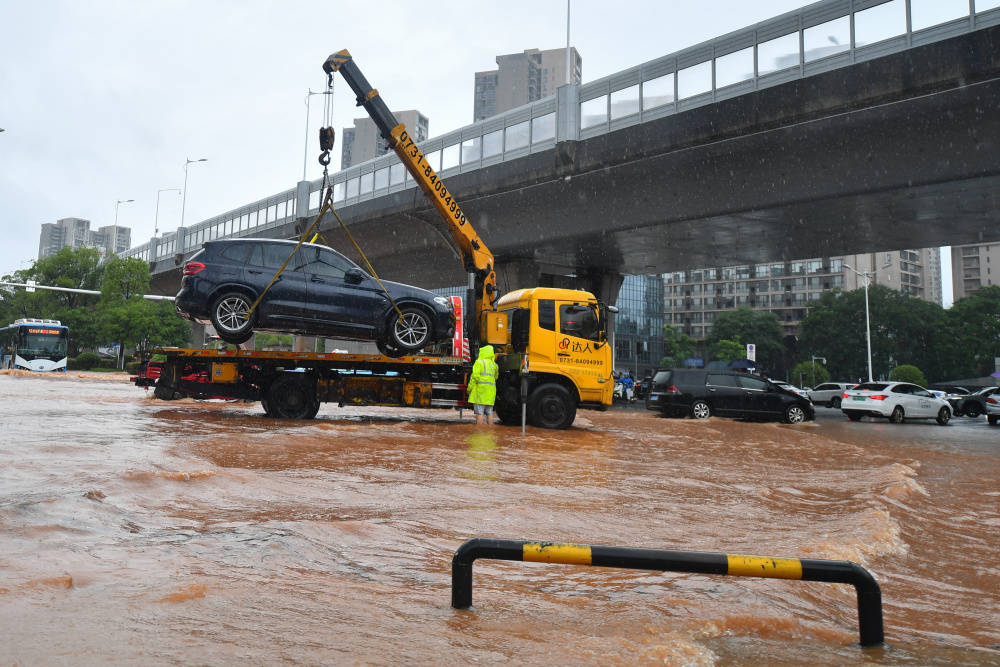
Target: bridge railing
818 38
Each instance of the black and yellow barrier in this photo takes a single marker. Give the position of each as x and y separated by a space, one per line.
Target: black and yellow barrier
806 569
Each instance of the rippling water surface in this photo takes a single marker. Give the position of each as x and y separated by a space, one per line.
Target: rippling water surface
138 531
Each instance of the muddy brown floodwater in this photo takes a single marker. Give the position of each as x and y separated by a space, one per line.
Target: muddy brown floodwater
136 531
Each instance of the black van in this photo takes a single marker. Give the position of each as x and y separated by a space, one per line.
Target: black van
703 393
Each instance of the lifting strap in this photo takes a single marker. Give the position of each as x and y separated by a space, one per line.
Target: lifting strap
326 145
327 206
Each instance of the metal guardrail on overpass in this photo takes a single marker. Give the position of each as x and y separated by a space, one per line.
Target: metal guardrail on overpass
818 38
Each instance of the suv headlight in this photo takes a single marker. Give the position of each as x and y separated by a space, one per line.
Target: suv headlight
442 301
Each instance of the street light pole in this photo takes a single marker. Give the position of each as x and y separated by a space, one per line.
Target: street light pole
114 237
868 329
814 358
156 218
305 154
187 162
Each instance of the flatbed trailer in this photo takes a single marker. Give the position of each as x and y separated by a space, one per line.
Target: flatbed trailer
292 385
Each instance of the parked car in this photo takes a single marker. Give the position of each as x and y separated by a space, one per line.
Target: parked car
701 393
792 388
895 401
983 402
954 395
829 393
320 293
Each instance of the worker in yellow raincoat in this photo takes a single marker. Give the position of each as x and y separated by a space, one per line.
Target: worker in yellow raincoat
483 385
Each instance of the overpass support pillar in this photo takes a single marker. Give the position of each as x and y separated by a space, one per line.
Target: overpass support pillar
197 335
304 343
605 285
518 274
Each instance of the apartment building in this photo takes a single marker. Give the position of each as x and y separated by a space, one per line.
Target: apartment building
972 267
693 299
76 233
363 141
521 78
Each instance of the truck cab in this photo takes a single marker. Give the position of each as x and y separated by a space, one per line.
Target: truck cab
562 334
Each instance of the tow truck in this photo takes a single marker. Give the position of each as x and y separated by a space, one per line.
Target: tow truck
551 344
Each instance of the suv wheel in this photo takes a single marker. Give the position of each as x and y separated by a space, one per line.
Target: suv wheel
794 414
835 402
410 332
230 319
701 410
972 410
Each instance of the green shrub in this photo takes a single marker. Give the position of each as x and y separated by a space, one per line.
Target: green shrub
907 373
805 369
106 363
84 362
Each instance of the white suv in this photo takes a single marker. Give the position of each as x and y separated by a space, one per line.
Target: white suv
829 393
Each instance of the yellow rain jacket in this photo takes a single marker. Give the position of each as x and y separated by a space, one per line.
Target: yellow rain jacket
483 380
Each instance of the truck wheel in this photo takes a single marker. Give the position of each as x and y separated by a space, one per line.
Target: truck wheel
268 410
229 317
166 394
291 396
509 413
550 406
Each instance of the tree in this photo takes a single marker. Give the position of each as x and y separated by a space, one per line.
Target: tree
970 337
908 373
677 346
728 350
759 327
810 373
904 330
128 319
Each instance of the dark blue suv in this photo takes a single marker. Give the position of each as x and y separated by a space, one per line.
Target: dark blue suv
320 293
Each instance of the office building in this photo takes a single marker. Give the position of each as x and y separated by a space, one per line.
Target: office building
693 299
639 325
76 233
972 267
363 141
521 78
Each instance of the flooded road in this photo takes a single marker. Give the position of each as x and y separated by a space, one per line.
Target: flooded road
143 532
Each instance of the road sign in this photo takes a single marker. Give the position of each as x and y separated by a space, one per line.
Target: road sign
751 352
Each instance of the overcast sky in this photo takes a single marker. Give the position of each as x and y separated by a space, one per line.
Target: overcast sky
105 100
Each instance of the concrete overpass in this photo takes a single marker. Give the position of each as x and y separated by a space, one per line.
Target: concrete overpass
878 146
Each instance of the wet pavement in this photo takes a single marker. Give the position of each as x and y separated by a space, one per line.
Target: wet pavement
143 532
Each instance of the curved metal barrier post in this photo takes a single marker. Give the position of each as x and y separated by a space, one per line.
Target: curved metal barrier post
666 560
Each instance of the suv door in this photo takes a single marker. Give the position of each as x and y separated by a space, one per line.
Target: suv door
723 393
339 301
285 300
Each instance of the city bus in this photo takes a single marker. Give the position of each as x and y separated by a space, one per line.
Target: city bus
34 345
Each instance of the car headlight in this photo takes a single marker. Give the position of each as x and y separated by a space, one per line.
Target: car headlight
442 301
